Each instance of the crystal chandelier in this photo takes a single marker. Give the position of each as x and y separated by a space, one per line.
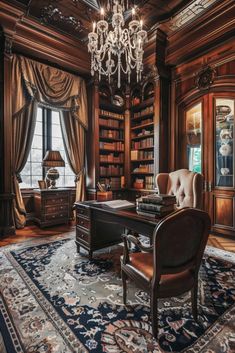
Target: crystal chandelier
118 48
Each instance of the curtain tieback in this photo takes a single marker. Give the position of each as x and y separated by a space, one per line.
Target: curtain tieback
18 177
77 177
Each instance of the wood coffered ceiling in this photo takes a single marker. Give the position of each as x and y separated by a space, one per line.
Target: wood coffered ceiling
74 17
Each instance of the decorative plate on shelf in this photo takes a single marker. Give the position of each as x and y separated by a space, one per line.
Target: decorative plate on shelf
223 110
118 100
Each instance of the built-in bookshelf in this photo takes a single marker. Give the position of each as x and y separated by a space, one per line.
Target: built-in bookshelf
142 139
111 143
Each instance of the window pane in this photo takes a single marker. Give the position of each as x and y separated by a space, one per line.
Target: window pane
66 173
56 130
57 143
32 171
36 155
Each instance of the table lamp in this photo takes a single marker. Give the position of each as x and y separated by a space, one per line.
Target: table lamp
53 159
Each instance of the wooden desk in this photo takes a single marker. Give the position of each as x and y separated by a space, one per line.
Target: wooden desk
99 226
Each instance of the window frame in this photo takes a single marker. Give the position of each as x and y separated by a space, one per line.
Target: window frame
46 140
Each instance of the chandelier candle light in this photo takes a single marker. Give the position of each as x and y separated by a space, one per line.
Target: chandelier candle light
119 49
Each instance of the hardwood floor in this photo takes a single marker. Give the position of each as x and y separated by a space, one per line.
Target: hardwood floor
223 243
32 231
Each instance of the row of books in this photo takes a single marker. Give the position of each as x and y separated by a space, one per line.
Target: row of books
112 158
147 110
148 142
111 170
147 182
115 146
135 155
144 121
144 168
111 114
114 134
114 182
111 123
156 205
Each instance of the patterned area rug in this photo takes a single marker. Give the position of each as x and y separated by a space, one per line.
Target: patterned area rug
53 300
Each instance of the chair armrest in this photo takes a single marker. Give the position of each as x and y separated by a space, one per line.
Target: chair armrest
133 239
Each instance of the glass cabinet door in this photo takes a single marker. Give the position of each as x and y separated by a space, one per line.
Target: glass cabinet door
224 146
193 138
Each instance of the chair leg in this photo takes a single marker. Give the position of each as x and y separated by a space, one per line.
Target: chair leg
124 278
154 315
194 293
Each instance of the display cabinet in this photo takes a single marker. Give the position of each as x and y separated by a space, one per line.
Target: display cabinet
207 140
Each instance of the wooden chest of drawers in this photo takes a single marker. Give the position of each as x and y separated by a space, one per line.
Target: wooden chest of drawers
52 206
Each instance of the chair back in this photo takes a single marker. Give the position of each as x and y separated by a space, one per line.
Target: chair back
187 186
180 240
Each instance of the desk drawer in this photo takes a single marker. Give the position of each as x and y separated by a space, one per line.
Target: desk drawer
82 235
56 201
54 216
56 195
84 212
56 209
83 222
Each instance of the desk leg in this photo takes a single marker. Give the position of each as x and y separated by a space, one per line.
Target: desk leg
78 248
90 254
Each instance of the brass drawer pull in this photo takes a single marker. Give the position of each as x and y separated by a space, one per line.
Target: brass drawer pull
81 222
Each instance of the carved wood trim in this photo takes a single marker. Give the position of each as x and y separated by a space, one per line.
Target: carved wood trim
216 24
32 38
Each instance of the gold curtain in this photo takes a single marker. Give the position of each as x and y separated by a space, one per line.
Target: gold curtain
74 141
33 83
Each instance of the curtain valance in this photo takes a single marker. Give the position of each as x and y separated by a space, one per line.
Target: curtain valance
47 85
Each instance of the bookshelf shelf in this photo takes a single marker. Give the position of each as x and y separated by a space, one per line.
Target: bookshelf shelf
107 127
143 117
142 173
144 148
110 139
110 175
110 117
139 127
110 150
142 160
142 137
112 163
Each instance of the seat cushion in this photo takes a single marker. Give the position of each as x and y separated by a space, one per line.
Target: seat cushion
170 284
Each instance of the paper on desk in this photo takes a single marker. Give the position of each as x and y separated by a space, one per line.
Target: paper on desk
118 204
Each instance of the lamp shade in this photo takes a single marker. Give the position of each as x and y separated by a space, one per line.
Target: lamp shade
53 159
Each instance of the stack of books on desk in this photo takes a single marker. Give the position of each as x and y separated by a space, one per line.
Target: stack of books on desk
156 205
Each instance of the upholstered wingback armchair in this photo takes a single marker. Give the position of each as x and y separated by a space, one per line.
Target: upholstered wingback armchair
187 186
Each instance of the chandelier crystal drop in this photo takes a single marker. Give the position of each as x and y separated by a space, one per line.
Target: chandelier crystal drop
114 47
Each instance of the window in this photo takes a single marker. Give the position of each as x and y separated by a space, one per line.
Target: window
47 136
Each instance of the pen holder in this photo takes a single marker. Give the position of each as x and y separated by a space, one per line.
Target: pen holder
104 196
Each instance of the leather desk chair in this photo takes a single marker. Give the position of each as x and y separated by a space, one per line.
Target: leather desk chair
187 186
170 266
